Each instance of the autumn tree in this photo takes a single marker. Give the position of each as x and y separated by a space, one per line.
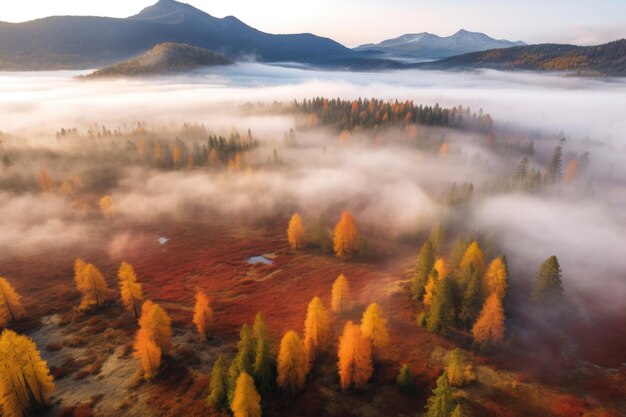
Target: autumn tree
571 172
202 314
243 361
355 357
45 182
374 327
473 256
218 397
91 283
442 311
404 380
429 289
346 238
264 360
444 150
130 289
147 351
459 373
496 277
11 308
548 283
340 297
457 412
246 401
293 363
489 328
295 232
157 325
441 403
106 205
25 379
425 263
316 328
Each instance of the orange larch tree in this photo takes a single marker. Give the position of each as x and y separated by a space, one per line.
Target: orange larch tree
374 327
148 353
295 232
316 328
293 363
157 325
355 357
473 256
202 314
130 289
91 283
340 297
11 308
346 239
571 172
489 327
246 400
496 277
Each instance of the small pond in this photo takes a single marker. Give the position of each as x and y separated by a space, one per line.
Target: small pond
259 260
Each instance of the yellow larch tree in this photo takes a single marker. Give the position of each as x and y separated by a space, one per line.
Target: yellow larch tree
374 327
246 400
91 283
340 297
157 324
11 308
355 358
571 172
316 328
496 277
473 256
24 377
429 288
346 238
440 267
444 150
107 208
45 182
202 314
176 156
130 289
148 353
489 328
295 232
293 363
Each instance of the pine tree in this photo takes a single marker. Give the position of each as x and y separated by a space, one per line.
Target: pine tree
522 170
316 328
11 308
355 358
441 403
321 234
373 326
340 297
25 379
437 238
91 283
496 277
130 289
264 361
147 351
246 400
202 314
548 283
489 328
157 325
473 297
405 379
346 238
441 314
243 361
218 397
425 264
295 232
555 169
293 363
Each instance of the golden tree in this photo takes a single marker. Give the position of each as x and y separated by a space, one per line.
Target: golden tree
11 308
148 353
246 400
429 288
293 363
340 297
571 172
459 373
374 327
316 328
473 256
45 182
202 314
157 325
91 283
489 328
496 277
440 267
346 239
176 156
106 205
24 377
355 357
130 289
295 232
444 149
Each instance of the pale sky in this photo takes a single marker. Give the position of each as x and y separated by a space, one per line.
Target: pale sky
354 22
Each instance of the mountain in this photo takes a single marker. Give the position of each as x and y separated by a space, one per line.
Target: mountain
165 58
427 46
79 42
600 60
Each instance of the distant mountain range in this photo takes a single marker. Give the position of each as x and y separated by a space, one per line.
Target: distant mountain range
601 60
427 46
165 58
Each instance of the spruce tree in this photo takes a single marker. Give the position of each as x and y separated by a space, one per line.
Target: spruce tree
263 366
425 263
441 404
473 297
555 169
218 398
405 379
441 315
243 361
548 284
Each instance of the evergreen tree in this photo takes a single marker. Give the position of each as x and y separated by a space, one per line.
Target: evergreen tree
218 398
437 238
522 170
243 361
555 169
404 380
473 297
425 264
321 234
441 315
441 403
458 412
264 360
548 284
